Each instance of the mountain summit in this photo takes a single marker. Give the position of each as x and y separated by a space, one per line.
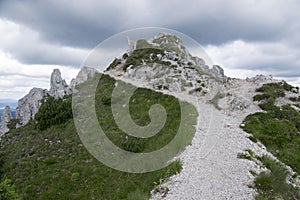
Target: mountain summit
167 64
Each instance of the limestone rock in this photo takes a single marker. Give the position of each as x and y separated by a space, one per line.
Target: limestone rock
84 74
218 72
260 78
5 118
239 103
59 87
29 105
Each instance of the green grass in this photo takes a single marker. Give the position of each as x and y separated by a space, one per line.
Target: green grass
54 164
270 92
278 128
248 155
148 55
273 184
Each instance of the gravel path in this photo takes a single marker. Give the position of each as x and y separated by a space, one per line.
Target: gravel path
211 169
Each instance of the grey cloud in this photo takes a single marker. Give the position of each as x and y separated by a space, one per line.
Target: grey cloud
85 23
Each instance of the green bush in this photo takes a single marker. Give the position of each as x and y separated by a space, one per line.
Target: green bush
12 124
138 55
125 55
7 190
113 64
54 111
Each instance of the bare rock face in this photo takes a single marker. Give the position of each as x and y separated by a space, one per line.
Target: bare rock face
29 105
84 74
5 118
59 87
218 72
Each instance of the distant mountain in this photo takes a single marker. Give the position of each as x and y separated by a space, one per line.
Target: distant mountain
8 102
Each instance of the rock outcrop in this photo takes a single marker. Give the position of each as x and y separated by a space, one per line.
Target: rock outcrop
59 87
84 74
239 103
218 72
168 65
5 118
29 105
260 78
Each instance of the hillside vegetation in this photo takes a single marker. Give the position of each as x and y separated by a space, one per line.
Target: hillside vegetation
278 128
47 160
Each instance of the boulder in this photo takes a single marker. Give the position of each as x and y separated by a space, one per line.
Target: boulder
239 103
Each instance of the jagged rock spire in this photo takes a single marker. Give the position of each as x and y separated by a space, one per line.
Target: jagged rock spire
5 118
59 87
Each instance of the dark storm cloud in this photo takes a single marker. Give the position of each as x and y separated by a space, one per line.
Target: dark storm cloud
63 29
69 24
86 23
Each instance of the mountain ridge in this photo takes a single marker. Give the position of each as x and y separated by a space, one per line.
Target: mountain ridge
163 65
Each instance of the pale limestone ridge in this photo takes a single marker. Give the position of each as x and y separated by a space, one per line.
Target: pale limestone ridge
29 105
5 118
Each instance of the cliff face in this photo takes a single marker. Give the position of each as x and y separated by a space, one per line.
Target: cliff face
5 118
29 105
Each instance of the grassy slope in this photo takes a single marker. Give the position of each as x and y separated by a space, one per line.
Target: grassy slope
278 129
53 164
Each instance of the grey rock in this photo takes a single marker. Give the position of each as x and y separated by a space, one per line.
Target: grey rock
239 103
218 72
29 105
6 115
5 118
72 83
59 87
84 74
260 78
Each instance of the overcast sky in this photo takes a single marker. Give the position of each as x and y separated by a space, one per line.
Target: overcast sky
245 37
